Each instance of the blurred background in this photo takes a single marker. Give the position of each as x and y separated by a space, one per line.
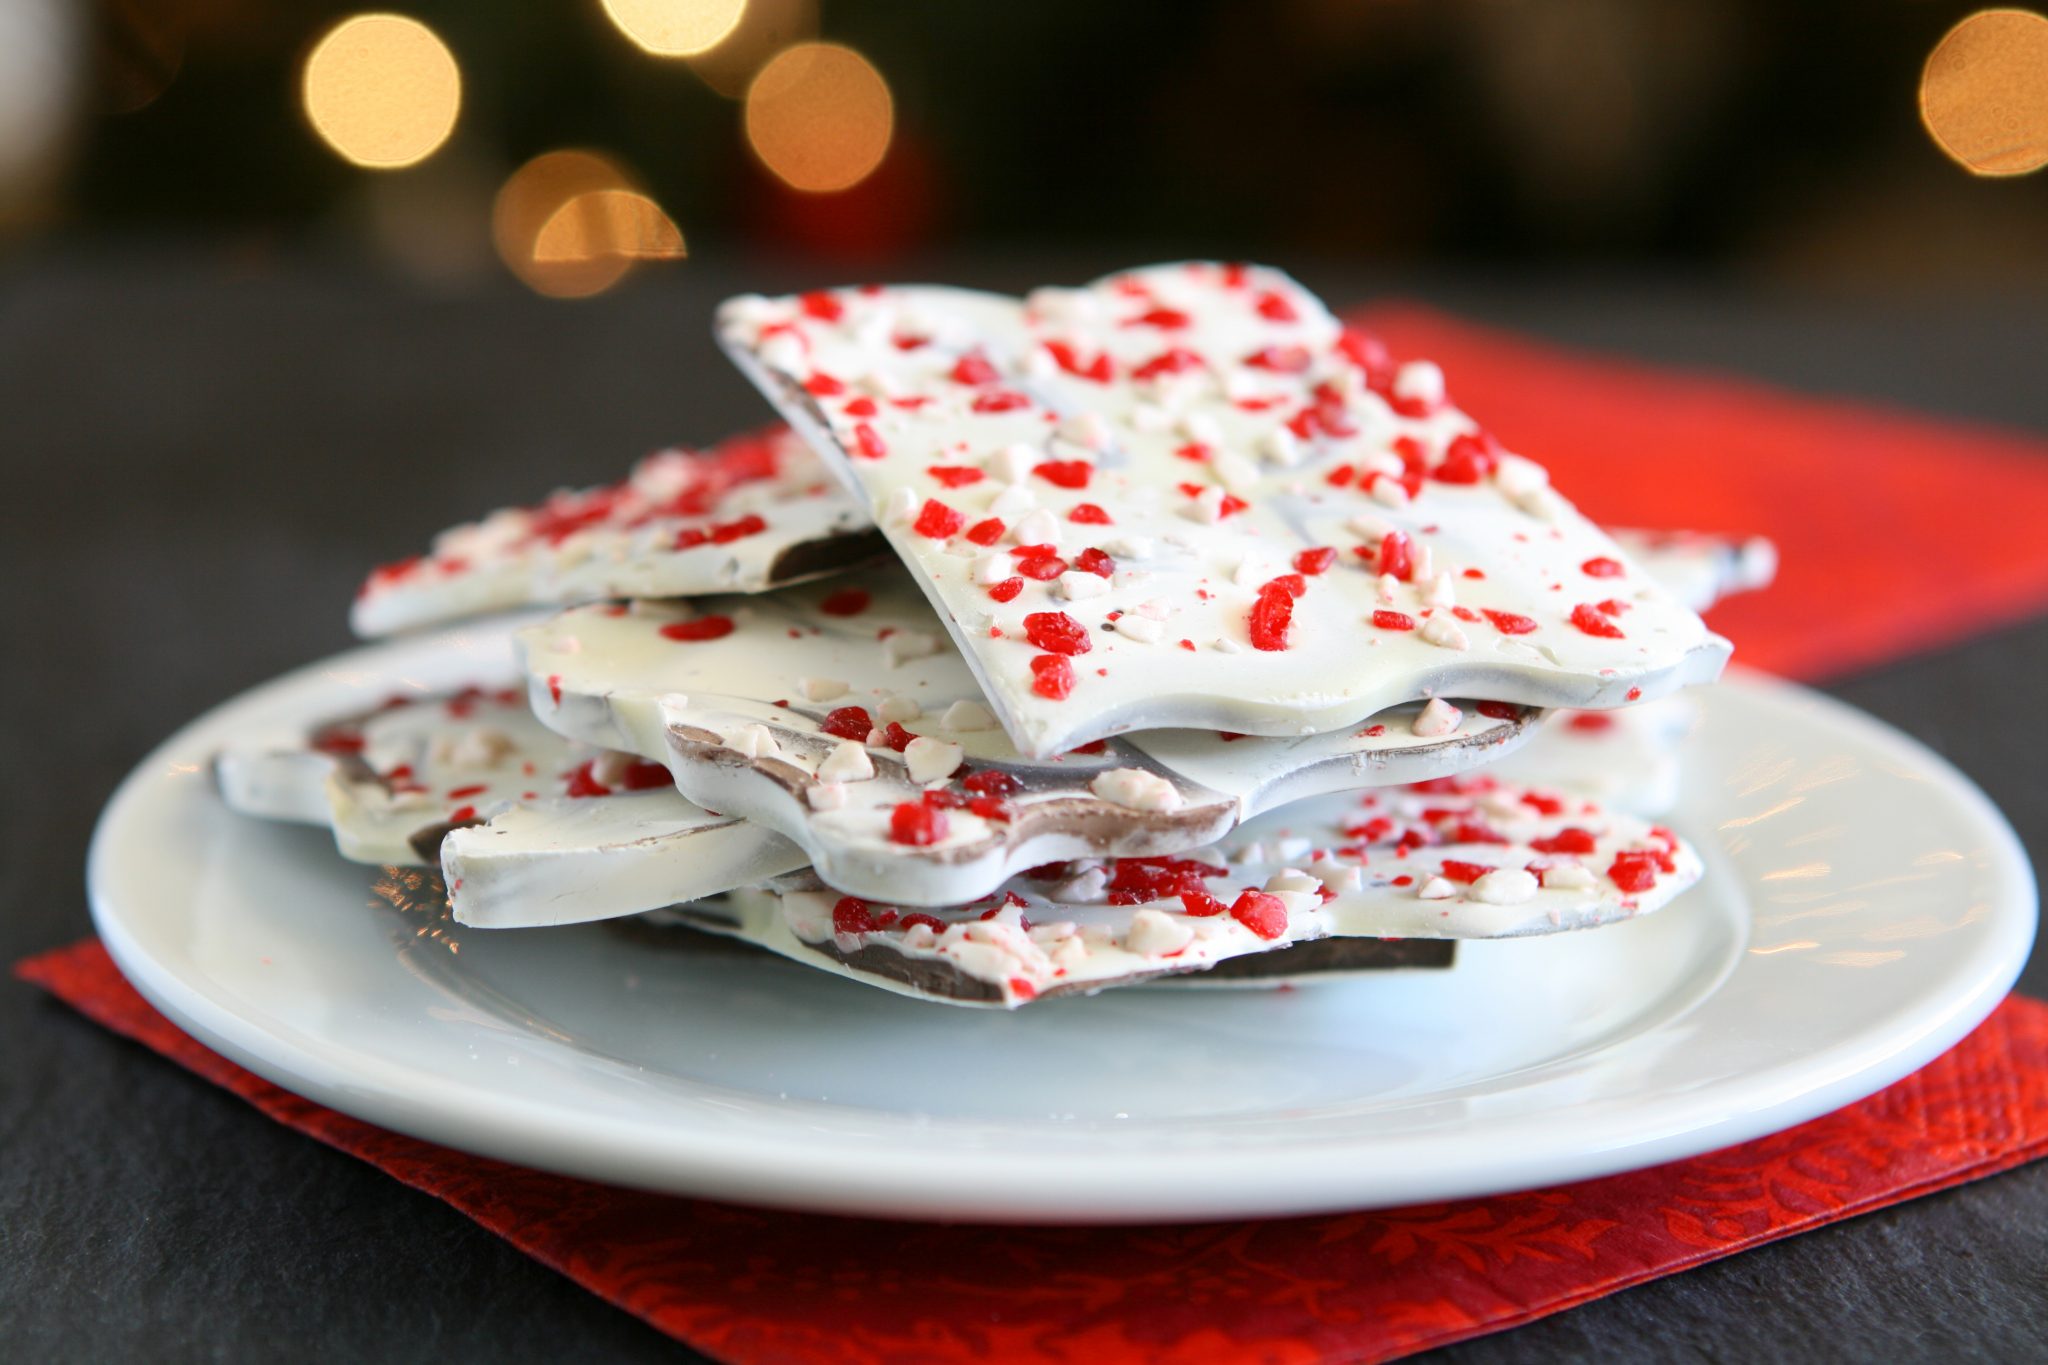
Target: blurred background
579 146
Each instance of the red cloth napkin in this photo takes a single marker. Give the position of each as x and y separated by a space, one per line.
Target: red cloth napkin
1897 533
761 1288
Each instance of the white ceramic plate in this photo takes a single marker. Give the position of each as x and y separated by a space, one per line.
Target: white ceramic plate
1865 906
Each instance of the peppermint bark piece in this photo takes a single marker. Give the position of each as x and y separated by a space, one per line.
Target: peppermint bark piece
529 828
754 511
1462 858
842 717
1185 496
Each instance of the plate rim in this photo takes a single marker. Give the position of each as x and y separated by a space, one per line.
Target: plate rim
1320 1173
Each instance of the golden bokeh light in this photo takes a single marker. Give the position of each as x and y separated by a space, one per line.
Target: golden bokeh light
765 28
382 90
676 28
608 223
572 223
1984 92
820 116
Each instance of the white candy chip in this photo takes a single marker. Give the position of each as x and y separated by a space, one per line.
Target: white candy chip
1136 789
1436 719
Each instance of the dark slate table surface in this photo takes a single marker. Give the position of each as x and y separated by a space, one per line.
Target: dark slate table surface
202 455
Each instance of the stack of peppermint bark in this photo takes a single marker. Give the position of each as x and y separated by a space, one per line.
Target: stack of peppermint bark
1159 627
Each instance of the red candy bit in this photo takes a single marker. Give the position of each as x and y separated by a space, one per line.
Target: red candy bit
1230 506
1194 452
1613 606
582 783
1635 694
931 922
640 777
956 475
1276 307
698 628
938 521
991 782
861 407
727 532
1508 622
987 531
1341 476
1065 473
1092 560
1634 872
1543 803
1374 731
1068 359
1201 904
1165 319
339 742
1135 881
868 442
555 688
388 575
1393 620
1587 618
1590 722
1052 677
1280 359
999 400
894 736
1570 839
1044 568
1499 710
463 793
973 368
823 385
848 722
1368 353
1464 873
1468 459
1088 514
1174 360
851 915
1007 590
1397 555
1057 633
462 815
845 602
990 808
1271 615
917 824
820 304
1316 559
1264 915
1600 566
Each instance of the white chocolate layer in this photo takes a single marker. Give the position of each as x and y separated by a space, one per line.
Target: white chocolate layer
755 510
616 677
1329 867
531 829
1206 419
